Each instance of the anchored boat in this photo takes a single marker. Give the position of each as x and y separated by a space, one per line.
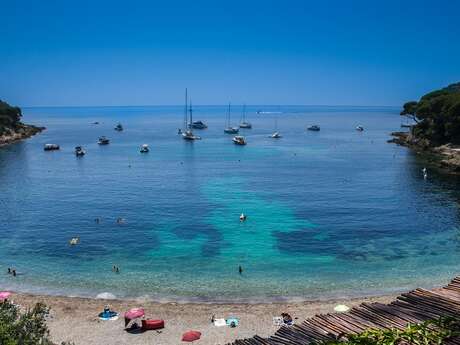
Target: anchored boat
229 129
314 128
51 147
187 133
79 151
244 123
239 140
103 140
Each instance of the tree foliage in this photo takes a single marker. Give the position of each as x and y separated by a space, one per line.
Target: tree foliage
432 332
10 116
437 115
28 328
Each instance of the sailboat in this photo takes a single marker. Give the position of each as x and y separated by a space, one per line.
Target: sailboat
276 134
244 123
229 129
187 133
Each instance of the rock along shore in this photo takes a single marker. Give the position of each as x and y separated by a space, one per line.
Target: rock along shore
20 132
446 157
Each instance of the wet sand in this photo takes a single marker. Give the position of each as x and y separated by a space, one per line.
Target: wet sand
75 319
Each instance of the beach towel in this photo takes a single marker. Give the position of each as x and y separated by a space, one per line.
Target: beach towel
220 322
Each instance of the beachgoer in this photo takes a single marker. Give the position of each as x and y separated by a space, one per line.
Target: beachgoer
240 269
9 270
213 318
14 273
97 220
117 270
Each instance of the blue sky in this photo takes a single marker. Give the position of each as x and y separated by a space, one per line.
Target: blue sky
55 52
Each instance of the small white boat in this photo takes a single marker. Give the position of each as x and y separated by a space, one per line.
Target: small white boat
144 148
79 151
188 135
276 134
359 128
314 128
239 140
103 140
51 147
119 127
74 241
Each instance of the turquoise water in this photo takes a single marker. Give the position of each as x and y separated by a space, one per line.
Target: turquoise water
330 213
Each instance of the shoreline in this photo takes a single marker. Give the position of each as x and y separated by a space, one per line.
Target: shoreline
445 157
75 318
21 132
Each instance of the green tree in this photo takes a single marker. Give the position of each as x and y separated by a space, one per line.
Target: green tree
437 115
28 328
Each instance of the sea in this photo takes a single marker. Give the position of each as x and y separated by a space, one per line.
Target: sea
330 214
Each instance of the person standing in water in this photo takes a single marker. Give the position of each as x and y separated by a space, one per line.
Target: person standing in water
240 269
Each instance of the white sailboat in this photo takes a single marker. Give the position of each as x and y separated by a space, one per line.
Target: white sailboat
229 129
276 134
187 133
244 123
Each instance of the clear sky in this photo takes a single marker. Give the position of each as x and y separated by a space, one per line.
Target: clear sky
133 52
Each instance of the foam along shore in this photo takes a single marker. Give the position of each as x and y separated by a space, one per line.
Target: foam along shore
75 319
20 132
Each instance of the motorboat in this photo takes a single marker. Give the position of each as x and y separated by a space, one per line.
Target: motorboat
119 127
314 128
79 151
230 129
276 135
239 140
144 148
51 147
198 125
244 123
359 128
103 140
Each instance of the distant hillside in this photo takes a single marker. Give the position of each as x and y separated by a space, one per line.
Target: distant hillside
11 127
437 115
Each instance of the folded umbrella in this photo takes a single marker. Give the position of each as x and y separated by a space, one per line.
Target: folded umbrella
133 314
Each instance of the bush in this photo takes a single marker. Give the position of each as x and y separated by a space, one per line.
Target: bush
432 332
28 328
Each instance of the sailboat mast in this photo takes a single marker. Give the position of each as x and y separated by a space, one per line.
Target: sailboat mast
244 112
228 114
185 110
191 117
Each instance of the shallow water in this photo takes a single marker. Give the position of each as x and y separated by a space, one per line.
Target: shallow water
330 213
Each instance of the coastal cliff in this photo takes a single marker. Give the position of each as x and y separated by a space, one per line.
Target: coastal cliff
436 129
11 127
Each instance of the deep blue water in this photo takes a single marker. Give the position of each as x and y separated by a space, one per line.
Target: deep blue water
330 213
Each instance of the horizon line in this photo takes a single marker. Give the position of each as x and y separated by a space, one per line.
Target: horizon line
209 105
